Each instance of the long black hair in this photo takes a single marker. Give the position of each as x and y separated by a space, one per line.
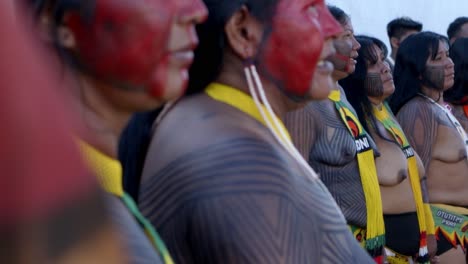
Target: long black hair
354 84
459 56
204 70
338 14
410 64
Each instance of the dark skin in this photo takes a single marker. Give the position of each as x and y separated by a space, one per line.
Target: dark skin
231 185
105 108
397 195
333 155
373 85
325 142
415 115
435 77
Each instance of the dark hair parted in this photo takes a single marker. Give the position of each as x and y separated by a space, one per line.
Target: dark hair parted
399 26
455 27
354 84
212 38
459 55
410 64
338 14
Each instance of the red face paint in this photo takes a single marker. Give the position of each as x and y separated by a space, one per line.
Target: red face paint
293 49
124 42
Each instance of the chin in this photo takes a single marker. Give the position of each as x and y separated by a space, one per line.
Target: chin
176 87
449 86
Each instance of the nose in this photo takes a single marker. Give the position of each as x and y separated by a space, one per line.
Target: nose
450 63
330 27
385 67
356 44
191 11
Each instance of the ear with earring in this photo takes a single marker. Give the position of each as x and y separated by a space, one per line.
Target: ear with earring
65 37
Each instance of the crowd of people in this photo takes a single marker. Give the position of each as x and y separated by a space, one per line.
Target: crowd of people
240 131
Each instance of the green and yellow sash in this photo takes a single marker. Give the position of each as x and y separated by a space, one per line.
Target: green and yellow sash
109 174
244 103
425 219
375 230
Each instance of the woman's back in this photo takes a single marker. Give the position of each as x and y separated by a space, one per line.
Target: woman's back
220 189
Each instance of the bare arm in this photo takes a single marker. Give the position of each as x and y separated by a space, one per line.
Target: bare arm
242 201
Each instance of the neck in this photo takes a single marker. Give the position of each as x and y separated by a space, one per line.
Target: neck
435 95
234 76
377 101
103 121
336 85
338 75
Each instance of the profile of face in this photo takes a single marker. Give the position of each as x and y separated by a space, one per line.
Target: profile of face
181 45
379 80
294 52
141 47
347 48
439 73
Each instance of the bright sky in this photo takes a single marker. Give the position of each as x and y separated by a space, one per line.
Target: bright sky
370 17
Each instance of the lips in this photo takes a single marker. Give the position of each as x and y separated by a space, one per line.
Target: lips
182 58
388 79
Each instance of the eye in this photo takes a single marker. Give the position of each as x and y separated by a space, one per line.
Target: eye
312 10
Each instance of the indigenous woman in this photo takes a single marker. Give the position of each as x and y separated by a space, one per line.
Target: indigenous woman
423 72
51 210
121 57
457 96
331 138
222 181
408 219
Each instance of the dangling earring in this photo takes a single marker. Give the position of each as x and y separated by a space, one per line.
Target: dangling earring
256 88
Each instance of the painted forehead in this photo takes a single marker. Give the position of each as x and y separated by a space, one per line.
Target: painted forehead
154 10
284 7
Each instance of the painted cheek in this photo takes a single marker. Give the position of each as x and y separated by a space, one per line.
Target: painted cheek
158 87
341 59
293 48
125 41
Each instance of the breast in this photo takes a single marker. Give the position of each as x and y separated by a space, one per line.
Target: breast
334 147
392 165
449 146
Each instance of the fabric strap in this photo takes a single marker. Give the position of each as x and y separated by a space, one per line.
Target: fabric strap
109 174
375 233
244 103
385 117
